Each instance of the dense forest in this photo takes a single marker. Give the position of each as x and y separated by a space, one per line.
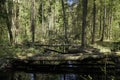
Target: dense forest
59 21
32 27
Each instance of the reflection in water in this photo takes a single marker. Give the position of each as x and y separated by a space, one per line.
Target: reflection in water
19 77
32 76
69 76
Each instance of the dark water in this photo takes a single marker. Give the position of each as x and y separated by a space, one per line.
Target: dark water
69 76
54 77
31 76
50 76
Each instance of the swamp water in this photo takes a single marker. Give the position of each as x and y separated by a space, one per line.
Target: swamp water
39 76
91 73
31 76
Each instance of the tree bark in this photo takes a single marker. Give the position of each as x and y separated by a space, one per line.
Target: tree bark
17 22
9 20
9 31
65 26
104 23
100 29
33 20
65 23
94 22
84 25
43 21
110 19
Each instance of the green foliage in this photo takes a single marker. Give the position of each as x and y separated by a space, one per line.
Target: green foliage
116 33
6 50
49 22
115 46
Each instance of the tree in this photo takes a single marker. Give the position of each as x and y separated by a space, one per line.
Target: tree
33 20
94 22
2 19
104 23
65 23
84 25
59 21
9 13
110 17
16 20
100 15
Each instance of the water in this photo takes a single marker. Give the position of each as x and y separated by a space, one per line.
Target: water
68 76
54 77
32 76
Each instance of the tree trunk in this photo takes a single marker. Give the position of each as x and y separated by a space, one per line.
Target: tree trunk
65 23
17 22
10 31
32 20
65 27
94 22
9 20
110 19
110 26
84 25
43 27
104 23
100 23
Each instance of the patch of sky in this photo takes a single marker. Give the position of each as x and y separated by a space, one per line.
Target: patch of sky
70 2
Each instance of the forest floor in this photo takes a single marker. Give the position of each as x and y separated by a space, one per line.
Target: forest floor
23 51
97 51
